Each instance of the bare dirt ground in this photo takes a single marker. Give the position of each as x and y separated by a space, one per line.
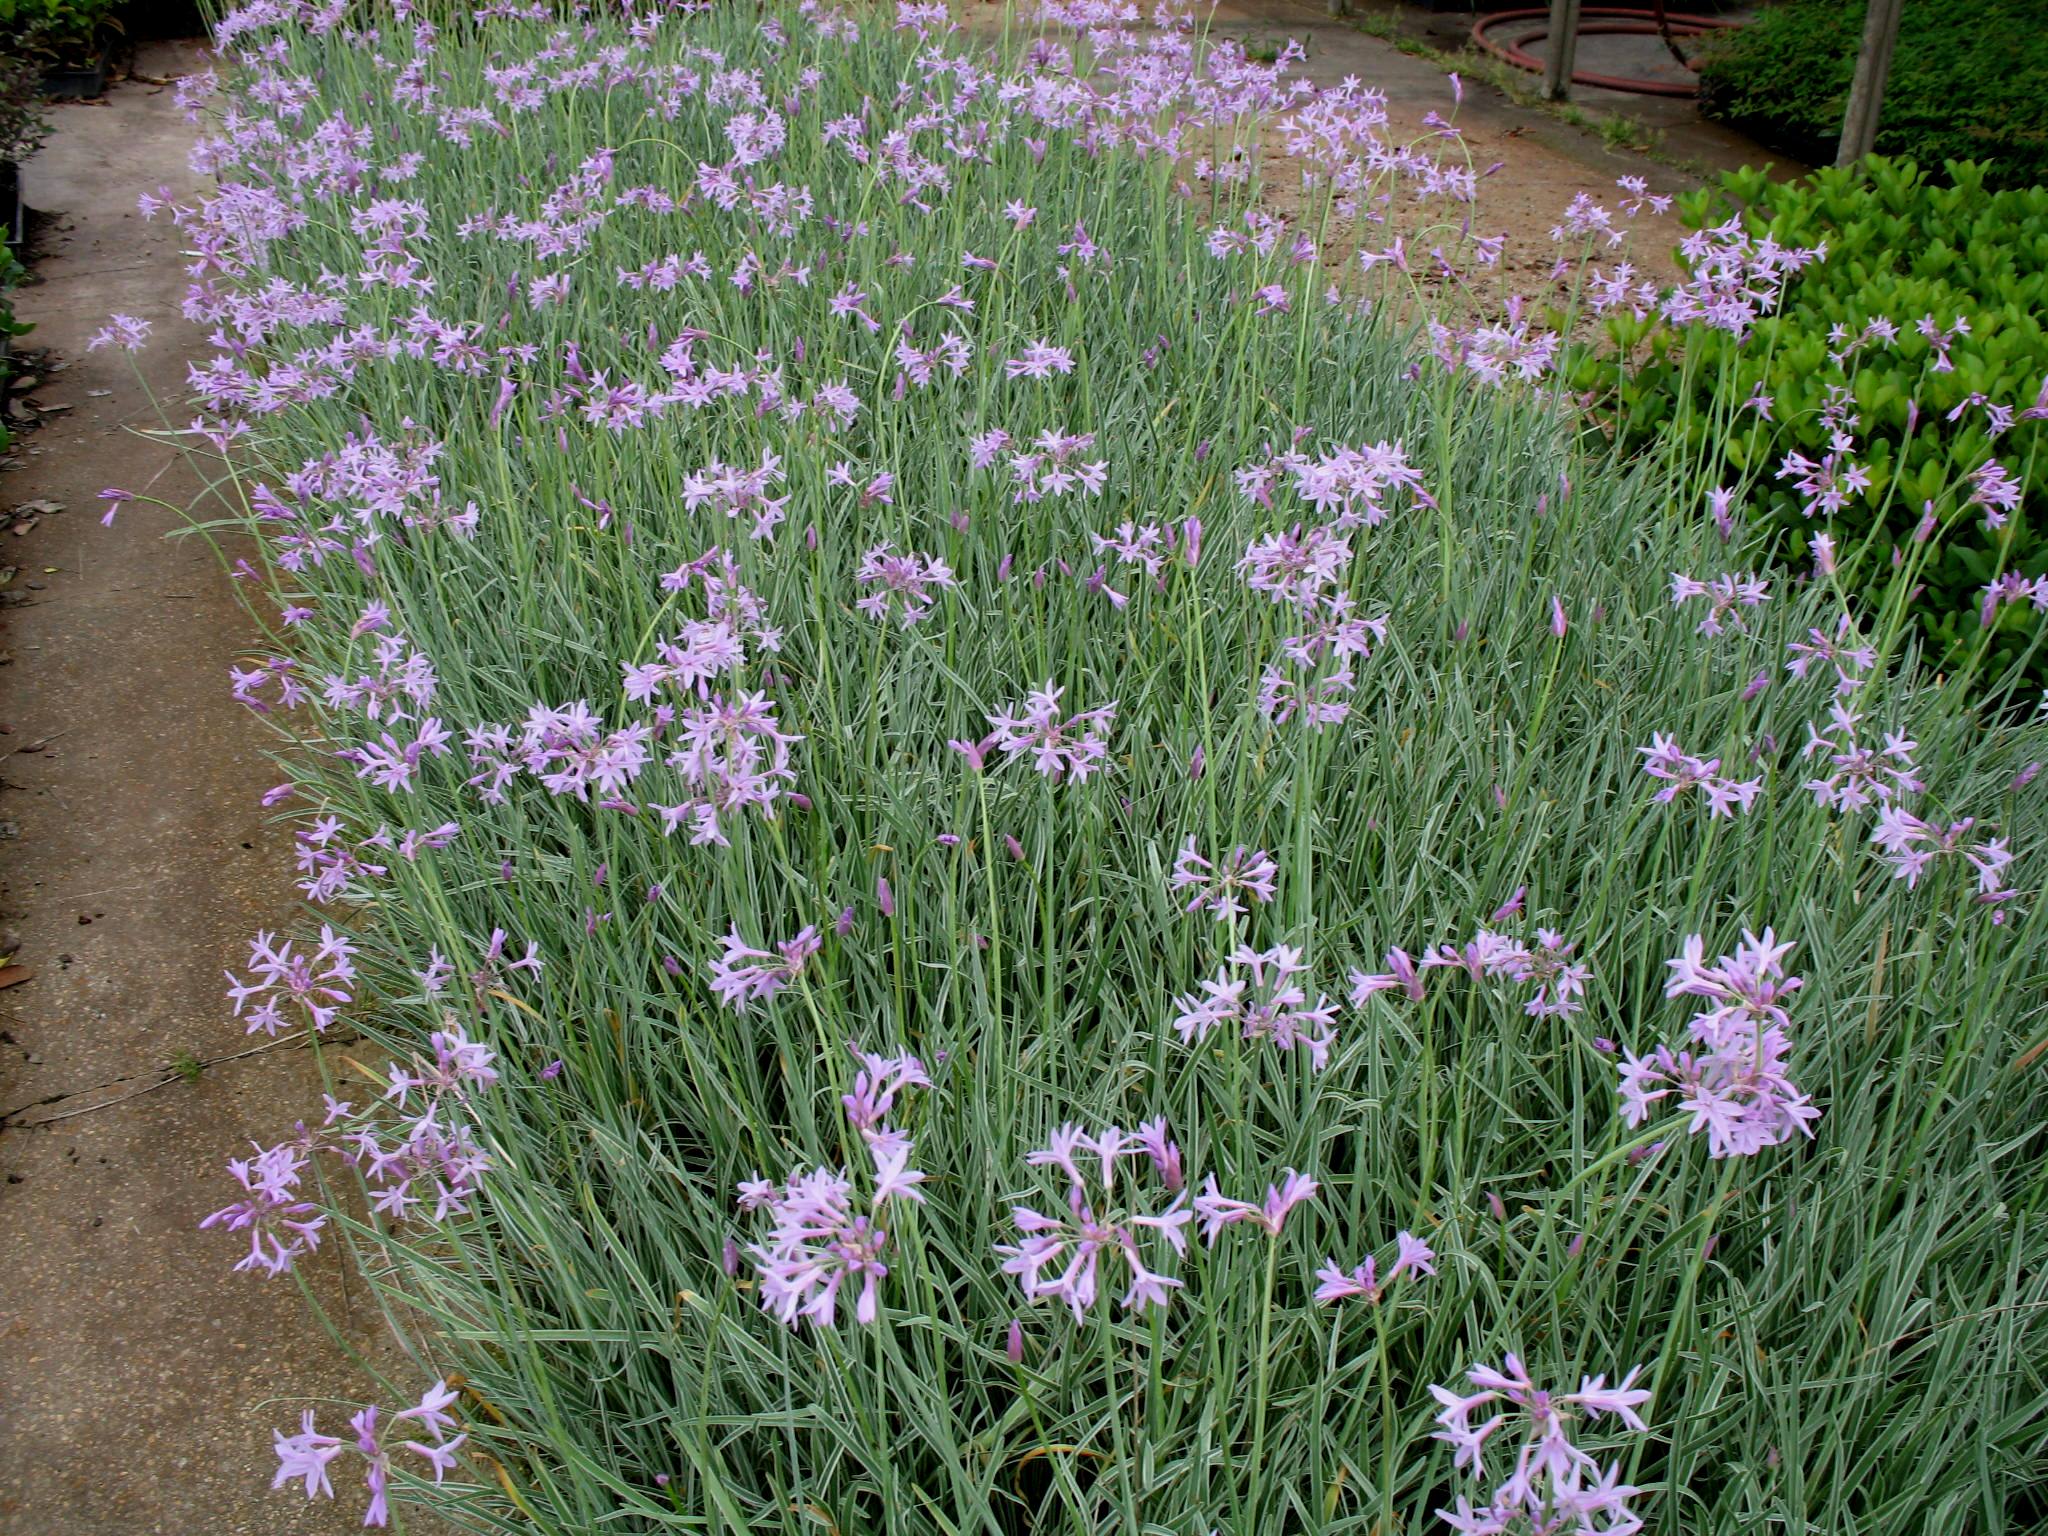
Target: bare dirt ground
142 1377
140 1373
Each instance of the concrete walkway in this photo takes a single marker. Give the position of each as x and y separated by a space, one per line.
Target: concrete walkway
135 1394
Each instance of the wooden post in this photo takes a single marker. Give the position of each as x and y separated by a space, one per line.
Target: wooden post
1562 51
1866 90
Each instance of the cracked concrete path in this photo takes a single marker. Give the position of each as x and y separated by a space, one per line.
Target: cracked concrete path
141 1378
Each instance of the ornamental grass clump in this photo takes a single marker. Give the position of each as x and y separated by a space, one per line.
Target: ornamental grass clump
948 770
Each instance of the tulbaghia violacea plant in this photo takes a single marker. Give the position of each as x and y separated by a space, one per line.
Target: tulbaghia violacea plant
1222 886
1548 966
1058 745
907 584
1110 1227
400 682
1911 846
1734 1080
1559 980
1554 1487
1348 487
744 975
825 1228
1727 595
737 406
307 1456
1300 569
1401 973
566 748
1858 775
422 1164
1843 650
1216 1211
1664 759
1258 995
292 986
280 1222
1412 1257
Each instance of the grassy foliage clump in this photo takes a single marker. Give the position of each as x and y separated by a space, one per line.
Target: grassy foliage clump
686 456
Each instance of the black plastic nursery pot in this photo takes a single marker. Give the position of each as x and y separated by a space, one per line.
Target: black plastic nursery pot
79 82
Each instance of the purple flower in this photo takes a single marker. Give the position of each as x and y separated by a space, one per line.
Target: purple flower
115 498
908 583
1733 1081
1296 567
1859 776
307 1455
1848 660
314 982
1828 483
1910 845
493 973
1256 992
1559 980
1554 1486
821 1240
123 331
1269 1216
1251 872
1400 972
1412 1256
1995 490
1680 771
743 974
821 1237
1318 702
1726 595
1720 504
1059 747
280 1224
1104 1224
876 1085
1040 360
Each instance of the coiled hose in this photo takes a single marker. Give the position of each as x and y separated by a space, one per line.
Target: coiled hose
1608 21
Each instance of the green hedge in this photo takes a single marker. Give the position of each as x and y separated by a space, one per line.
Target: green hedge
1901 246
1969 81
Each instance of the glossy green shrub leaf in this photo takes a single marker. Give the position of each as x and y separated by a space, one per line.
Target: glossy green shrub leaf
1902 248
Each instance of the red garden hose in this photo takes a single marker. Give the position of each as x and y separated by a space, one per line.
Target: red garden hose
1601 20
